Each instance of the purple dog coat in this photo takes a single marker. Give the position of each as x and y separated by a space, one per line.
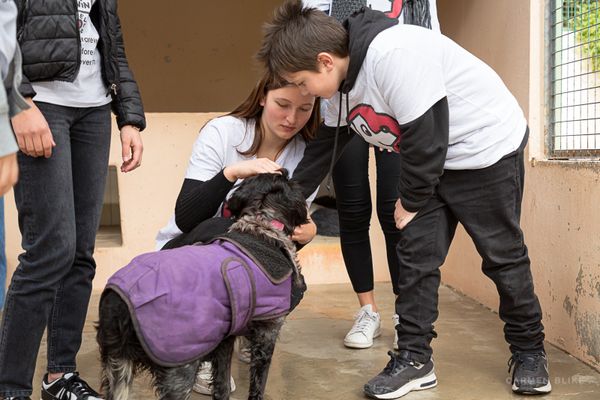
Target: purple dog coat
185 301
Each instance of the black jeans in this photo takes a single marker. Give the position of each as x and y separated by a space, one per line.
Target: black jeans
353 197
59 201
487 202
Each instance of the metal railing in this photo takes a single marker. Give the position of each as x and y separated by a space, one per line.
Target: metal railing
574 68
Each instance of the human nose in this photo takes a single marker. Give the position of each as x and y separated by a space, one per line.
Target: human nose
291 117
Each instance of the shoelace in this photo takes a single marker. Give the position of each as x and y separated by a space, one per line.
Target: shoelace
74 384
396 362
364 320
529 362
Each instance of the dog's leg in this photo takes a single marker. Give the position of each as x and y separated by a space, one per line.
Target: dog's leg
221 368
118 347
263 335
117 377
175 383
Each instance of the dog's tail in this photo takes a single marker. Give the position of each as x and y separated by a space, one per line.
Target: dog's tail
118 346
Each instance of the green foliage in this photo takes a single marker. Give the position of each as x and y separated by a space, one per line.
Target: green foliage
584 18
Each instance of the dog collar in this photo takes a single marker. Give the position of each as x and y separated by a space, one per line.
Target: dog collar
277 225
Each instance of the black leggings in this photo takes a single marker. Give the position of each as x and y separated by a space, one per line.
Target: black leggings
351 183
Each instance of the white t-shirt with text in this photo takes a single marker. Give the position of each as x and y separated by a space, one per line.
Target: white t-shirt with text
88 89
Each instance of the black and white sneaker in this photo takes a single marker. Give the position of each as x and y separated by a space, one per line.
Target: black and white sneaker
400 376
69 387
529 373
18 398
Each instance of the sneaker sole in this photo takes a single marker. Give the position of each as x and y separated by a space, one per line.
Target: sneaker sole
357 345
424 383
538 390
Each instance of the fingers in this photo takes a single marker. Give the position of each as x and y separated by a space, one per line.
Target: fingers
33 134
264 165
245 169
131 148
401 216
47 143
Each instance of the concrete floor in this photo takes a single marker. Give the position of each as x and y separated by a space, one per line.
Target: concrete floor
311 362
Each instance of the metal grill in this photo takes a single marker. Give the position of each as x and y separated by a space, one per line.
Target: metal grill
575 82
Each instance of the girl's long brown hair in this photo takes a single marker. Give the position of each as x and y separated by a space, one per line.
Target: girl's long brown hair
251 109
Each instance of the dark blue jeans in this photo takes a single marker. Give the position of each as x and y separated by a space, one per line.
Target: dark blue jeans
59 201
353 198
487 202
2 254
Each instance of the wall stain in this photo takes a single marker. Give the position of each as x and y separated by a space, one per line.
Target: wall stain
568 306
587 327
579 288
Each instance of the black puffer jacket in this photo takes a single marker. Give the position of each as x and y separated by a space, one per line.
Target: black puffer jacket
49 39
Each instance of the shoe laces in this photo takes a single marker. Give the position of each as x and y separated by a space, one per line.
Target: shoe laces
396 362
74 384
527 361
363 321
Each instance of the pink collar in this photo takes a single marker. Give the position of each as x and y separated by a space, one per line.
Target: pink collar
277 224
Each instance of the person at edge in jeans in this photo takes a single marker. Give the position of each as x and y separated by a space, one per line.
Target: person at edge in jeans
350 178
460 134
74 71
268 131
11 103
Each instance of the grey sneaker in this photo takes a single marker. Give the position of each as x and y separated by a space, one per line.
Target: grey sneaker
529 373
400 376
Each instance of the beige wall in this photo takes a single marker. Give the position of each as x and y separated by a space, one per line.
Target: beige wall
191 56
561 216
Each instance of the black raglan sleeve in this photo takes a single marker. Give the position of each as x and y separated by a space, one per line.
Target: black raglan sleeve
315 163
199 201
423 153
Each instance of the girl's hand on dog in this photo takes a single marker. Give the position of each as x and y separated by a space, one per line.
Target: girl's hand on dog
244 169
303 234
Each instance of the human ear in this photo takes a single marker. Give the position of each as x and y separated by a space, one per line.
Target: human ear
326 60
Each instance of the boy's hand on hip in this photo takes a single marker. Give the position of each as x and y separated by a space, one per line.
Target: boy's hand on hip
401 216
32 132
131 148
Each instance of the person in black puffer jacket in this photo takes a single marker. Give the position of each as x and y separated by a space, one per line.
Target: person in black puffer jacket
74 71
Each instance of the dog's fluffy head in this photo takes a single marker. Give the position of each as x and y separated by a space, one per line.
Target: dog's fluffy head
272 196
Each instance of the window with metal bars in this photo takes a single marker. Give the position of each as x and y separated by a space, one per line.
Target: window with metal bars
574 128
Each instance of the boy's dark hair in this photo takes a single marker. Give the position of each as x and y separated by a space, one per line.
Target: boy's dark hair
295 37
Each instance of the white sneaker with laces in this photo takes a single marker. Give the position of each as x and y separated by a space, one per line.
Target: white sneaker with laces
203 384
367 326
395 321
